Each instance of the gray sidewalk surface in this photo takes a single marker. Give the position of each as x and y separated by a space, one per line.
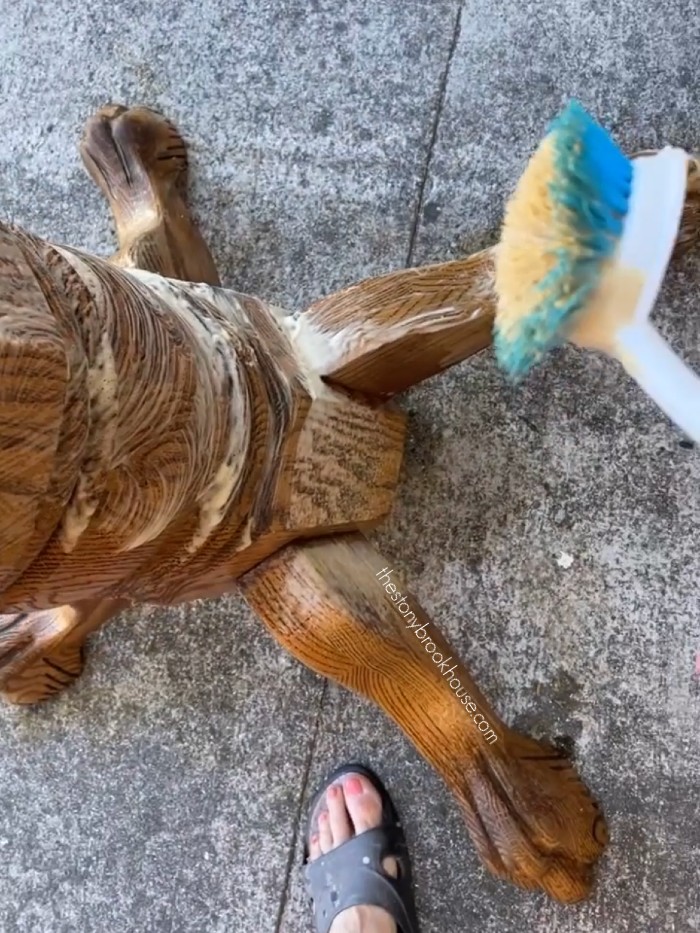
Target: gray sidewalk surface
332 140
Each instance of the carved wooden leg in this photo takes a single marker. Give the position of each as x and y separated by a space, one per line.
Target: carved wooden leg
41 652
383 335
341 609
139 161
386 334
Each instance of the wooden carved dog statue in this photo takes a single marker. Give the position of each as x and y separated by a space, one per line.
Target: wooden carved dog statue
163 441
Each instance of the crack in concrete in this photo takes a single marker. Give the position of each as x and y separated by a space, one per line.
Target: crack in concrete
298 816
442 93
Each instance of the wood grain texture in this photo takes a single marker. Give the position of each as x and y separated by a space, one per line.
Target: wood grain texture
345 447
41 652
138 159
689 232
386 334
41 378
530 817
159 438
202 435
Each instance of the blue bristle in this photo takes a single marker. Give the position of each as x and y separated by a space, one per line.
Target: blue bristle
590 189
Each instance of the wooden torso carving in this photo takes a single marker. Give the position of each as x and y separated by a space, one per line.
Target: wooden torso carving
209 441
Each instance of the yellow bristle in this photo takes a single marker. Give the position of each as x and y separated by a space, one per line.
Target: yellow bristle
531 233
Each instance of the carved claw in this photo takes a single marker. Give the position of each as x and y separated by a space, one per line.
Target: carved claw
45 677
34 664
41 652
125 148
138 159
532 820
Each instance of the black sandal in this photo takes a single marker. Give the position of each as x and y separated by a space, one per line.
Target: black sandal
352 874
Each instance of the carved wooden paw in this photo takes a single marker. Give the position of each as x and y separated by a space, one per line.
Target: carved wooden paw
138 159
36 661
124 148
532 820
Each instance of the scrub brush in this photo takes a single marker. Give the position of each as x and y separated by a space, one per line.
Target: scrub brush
586 240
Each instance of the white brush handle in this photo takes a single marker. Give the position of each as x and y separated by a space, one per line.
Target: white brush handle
661 374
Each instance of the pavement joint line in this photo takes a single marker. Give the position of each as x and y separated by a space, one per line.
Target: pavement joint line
284 897
442 93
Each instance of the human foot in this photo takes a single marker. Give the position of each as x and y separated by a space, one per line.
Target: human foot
355 850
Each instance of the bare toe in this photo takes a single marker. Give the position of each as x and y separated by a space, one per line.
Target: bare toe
363 803
314 847
339 820
325 838
348 808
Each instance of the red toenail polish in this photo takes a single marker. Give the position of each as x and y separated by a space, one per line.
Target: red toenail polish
323 817
332 791
314 839
353 785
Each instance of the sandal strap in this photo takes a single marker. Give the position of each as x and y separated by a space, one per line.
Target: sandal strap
352 875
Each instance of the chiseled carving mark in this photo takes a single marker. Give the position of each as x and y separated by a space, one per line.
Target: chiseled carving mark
103 407
223 392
